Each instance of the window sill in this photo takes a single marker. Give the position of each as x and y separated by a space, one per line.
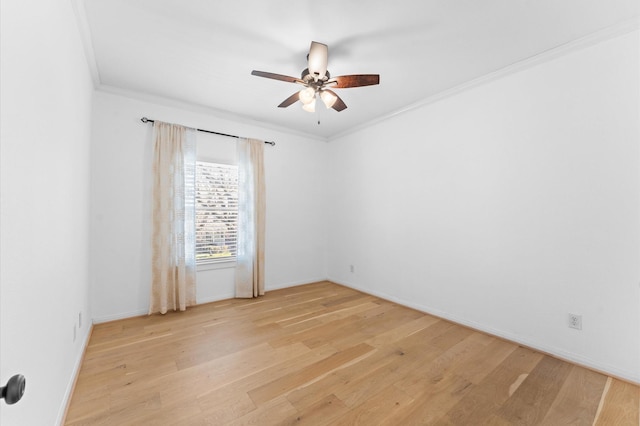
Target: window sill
209 266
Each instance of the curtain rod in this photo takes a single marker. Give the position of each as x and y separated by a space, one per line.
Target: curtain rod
148 120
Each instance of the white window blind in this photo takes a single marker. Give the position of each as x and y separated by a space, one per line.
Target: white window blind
216 211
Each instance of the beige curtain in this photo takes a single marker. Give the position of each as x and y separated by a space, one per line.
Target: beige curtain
249 273
173 248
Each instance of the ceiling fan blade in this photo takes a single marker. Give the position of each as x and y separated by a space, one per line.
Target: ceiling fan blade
318 58
276 76
290 100
355 80
339 104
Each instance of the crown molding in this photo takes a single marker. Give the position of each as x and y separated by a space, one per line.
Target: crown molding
203 109
605 34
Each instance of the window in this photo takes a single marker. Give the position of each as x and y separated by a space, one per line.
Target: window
216 211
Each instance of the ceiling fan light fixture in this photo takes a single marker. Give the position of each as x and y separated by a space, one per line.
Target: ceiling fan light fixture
328 98
317 82
310 107
307 95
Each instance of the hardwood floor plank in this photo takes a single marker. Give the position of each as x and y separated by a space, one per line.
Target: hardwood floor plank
209 399
486 360
225 405
401 331
379 409
532 400
222 373
434 361
333 313
277 411
485 399
323 354
327 324
379 366
433 402
308 374
357 382
621 405
574 403
438 385
323 412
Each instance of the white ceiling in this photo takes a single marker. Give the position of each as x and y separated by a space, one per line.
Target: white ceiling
202 52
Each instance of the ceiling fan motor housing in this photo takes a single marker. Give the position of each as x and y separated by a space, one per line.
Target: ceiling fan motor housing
309 78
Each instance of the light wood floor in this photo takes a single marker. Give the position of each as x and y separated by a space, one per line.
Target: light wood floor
325 354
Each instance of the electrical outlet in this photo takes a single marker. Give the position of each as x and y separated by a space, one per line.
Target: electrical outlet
575 321
352 268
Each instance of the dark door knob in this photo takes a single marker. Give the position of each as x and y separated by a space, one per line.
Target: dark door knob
14 390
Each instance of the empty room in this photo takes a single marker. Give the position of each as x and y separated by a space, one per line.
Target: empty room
322 213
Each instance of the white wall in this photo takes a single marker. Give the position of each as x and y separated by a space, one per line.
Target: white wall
44 213
506 206
120 206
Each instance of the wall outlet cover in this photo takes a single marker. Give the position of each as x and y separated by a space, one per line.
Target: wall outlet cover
575 321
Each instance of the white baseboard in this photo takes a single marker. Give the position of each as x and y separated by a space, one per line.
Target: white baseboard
115 317
216 298
295 283
62 412
630 376
201 301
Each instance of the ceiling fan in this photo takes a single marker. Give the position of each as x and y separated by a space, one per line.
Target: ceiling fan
318 82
